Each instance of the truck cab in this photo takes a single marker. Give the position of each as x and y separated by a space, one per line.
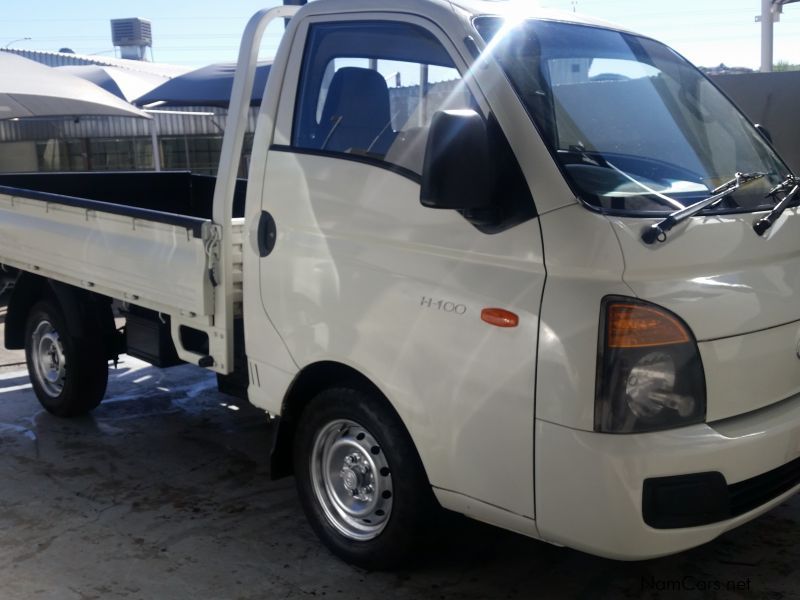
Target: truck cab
432 165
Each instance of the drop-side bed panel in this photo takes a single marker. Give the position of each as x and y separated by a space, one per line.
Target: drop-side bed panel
157 260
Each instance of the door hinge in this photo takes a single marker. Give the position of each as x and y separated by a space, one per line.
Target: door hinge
213 239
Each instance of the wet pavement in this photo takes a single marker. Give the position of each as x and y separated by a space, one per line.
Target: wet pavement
163 493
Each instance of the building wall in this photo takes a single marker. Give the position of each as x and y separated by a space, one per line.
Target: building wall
185 141
770 99
180 121
18 157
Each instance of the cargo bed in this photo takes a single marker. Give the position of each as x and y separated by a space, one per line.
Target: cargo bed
143 238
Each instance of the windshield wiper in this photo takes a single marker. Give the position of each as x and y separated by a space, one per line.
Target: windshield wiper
658 231
603 162
791 183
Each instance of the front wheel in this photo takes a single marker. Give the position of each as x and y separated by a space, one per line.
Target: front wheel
69 374
360 480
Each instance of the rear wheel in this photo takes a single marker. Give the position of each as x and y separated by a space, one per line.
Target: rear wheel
360 480
69 374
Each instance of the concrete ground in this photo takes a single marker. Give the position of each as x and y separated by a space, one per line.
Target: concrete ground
163 493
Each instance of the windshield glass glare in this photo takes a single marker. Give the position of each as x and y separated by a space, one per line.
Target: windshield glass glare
635 127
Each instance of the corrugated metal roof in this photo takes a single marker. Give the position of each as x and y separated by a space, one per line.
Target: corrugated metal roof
58 59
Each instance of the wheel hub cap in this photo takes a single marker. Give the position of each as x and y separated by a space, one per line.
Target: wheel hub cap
351 480
49 363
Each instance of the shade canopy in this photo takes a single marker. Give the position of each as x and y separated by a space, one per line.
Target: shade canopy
207 86
123 83
30 89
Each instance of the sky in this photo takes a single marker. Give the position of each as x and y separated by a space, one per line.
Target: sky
707 32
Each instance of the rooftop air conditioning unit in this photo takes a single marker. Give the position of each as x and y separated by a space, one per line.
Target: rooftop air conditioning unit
133 36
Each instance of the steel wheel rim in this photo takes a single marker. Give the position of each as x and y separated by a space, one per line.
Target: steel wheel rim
351 480
49 361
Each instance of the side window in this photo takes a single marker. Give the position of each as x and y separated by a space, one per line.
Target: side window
370 89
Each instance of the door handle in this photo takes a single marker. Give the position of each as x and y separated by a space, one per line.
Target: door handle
267 234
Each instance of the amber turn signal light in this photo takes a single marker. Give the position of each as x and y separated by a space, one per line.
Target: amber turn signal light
637 326
499 317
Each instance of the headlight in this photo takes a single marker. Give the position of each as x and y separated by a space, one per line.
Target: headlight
650 375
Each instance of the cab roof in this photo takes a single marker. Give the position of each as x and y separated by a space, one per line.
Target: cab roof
526 9
515 9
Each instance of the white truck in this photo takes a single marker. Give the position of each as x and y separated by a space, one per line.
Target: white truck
518 264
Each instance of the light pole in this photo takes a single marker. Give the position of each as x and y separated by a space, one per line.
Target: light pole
24 39
770 10
767 29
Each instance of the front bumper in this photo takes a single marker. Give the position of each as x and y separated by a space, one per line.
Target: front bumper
590 486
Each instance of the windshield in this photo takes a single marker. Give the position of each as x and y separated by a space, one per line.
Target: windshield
635 127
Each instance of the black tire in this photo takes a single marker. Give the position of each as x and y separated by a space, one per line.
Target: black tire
77 366
410 514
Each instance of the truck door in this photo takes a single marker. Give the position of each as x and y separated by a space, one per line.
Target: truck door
362 274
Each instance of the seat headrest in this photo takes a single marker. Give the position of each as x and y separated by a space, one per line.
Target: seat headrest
357 109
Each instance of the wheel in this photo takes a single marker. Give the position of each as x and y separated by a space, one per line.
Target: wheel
68 374
360 480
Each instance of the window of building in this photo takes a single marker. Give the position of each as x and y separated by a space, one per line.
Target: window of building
120 154
200 154
61 155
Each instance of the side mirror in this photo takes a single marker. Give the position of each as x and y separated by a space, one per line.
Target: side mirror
764 132
458 172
